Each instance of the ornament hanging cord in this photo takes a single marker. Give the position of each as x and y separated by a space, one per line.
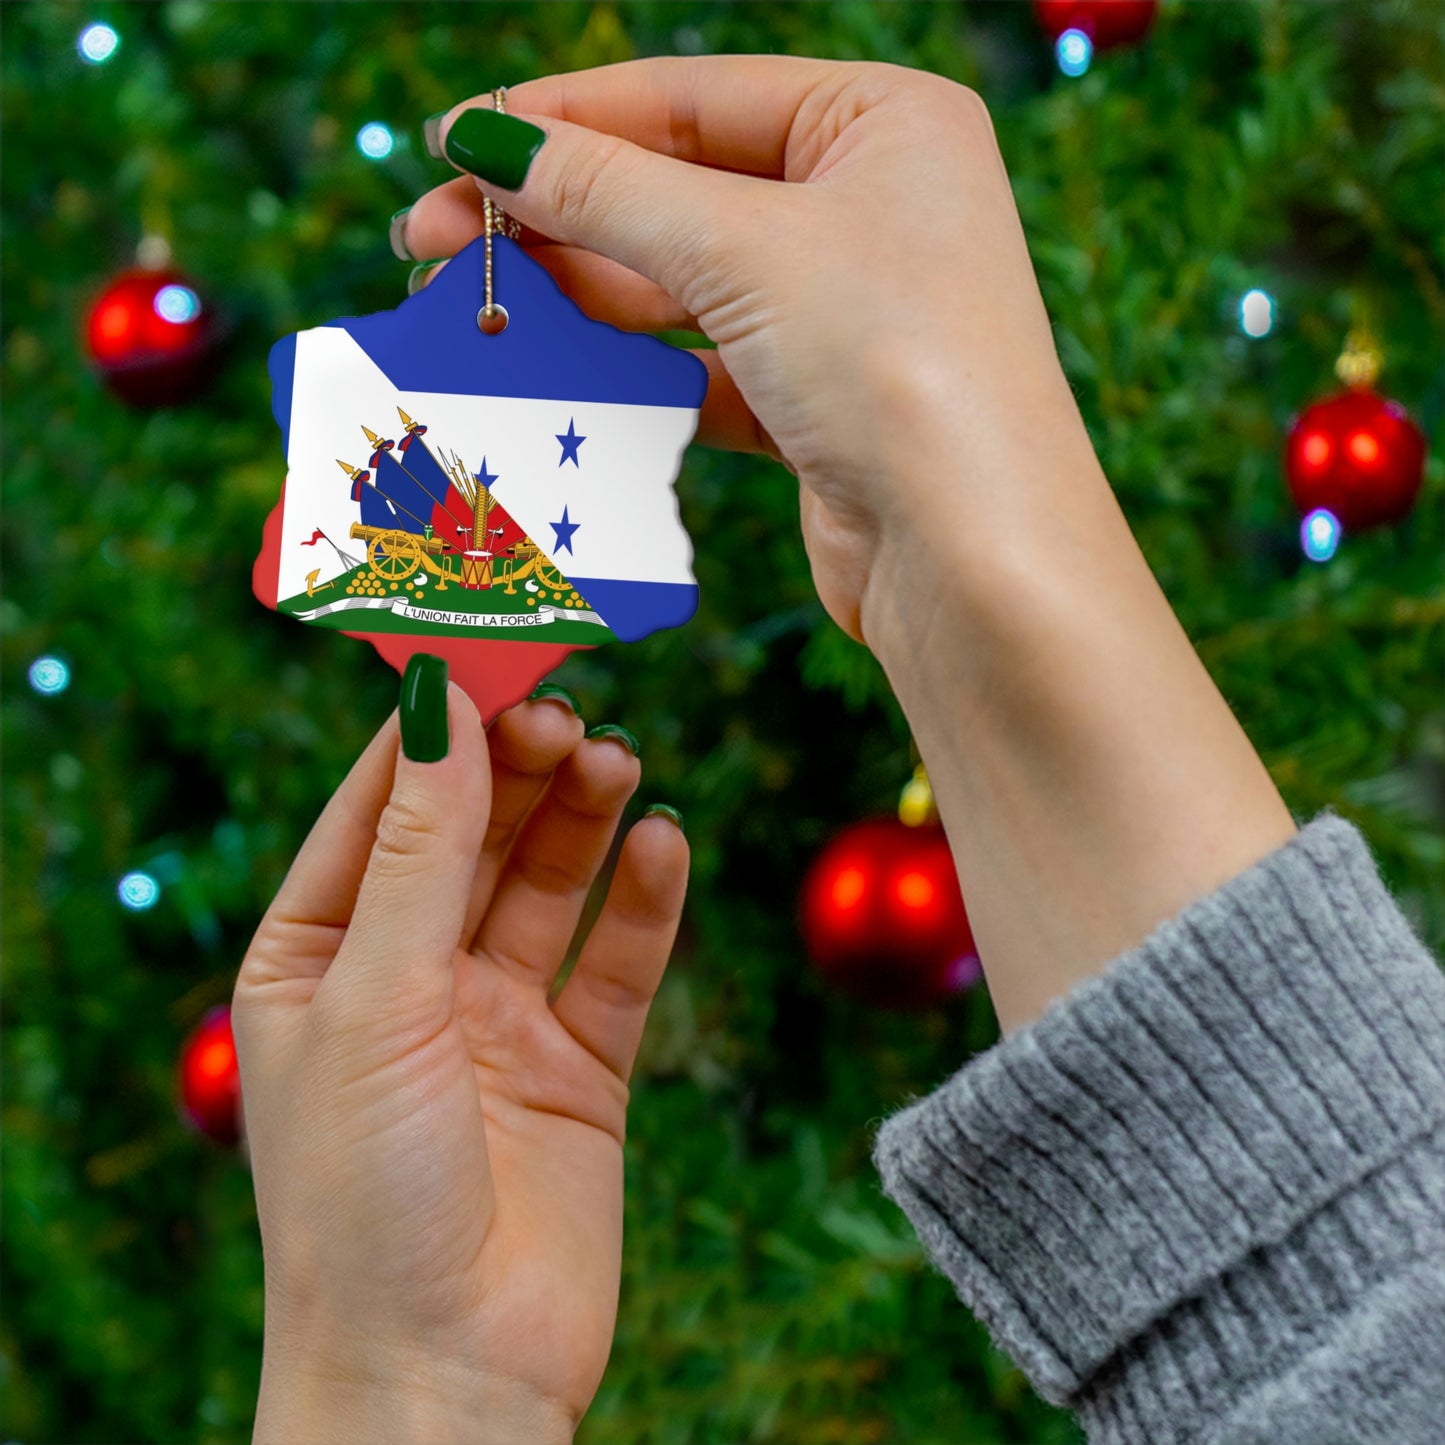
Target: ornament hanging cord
492 318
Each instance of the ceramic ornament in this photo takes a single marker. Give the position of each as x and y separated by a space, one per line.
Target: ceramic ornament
499 500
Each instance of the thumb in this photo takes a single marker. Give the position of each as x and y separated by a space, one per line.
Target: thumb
413 896
664 218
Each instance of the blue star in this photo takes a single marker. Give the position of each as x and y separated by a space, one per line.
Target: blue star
484 477
570 442
564 530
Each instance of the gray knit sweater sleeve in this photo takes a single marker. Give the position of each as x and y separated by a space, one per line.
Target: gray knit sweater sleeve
1202 1199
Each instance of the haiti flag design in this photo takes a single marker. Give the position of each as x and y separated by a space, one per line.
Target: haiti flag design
499 499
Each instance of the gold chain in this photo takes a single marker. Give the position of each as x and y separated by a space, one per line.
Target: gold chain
494 218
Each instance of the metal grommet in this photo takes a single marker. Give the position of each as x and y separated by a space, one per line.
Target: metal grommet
492 320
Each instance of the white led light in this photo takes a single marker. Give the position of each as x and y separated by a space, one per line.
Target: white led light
1256 313
49 675
177 304
1074 50
375 141
138 891
1319 535
97 44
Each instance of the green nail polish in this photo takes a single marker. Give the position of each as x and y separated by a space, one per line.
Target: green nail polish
498 148
396 233
424 736
431 134
418 273
550 689
615 730
666 810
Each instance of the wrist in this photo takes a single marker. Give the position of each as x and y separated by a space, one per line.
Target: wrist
381 1396
1091 778
987 465
989 511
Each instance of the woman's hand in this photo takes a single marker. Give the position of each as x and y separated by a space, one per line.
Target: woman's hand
878 324
847 235
437 1150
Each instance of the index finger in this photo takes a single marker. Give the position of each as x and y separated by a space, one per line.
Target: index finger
733 112
308 916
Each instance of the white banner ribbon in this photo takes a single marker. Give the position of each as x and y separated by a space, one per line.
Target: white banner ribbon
404 607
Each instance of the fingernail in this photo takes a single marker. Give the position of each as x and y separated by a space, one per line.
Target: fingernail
396 233
416 280
550 689
615 730
424 737
666 810
431 133
498 148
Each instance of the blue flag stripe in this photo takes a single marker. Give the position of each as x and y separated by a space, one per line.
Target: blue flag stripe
431 342
282 366
634 609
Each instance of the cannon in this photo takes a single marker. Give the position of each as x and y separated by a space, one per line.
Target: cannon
526 559
394 555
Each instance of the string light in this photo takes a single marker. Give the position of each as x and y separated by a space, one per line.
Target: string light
138 891
375 140
97 44
1319 535
177 304
966 969
49 675
1074 51
1256 313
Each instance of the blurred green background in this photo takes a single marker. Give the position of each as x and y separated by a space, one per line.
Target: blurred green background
771 1293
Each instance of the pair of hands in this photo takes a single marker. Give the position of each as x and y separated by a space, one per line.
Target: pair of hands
437 1148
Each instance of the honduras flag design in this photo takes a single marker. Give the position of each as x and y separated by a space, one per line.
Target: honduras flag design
546 452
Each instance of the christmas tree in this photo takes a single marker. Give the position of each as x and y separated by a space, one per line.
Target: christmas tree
168 742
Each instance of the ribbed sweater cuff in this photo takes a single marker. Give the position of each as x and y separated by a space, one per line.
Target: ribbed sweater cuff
1175 1119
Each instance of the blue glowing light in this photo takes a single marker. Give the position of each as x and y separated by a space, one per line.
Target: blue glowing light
49 675
1074 50
138 891
375 141
1319 535
1256 313
177 304
97 44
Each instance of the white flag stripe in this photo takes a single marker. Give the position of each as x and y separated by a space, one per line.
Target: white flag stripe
335 388
619 494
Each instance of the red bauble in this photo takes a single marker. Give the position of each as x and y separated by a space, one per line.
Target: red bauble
1107 23
210 1081
152 338
1359 456
883 917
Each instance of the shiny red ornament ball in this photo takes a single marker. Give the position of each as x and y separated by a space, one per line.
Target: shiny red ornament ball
883 918
1359 456
152 337
1107 23
210 1080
